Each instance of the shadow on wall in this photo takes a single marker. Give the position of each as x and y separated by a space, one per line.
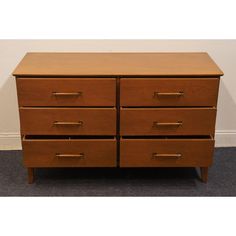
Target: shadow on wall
226 103
9 115
9 105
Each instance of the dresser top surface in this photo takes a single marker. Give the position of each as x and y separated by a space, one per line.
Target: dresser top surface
115 64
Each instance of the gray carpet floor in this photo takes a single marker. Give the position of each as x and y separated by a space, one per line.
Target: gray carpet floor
119 182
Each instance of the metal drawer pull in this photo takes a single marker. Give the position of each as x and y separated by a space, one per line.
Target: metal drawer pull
167 156
179 123
67 94
168 94
80 155
78 123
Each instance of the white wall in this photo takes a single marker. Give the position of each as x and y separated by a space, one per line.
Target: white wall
12 51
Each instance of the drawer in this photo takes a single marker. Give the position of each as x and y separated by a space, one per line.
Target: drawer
167 121
66 91
166 152
169 91
68 121
69 152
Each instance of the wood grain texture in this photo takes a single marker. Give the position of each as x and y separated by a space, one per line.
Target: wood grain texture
95 121
41 91
140 121
113 64
44 153
144 91
139 152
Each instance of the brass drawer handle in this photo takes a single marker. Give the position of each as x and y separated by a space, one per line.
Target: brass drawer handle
179 123
67 94
62 155
78 123
166 156
156 94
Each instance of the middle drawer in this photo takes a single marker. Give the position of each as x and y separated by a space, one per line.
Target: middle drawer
167 121
68 121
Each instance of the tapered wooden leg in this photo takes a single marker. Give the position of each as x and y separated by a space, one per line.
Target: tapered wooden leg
204 174
30 175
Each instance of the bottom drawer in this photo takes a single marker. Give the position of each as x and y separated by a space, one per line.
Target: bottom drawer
69 152
166 152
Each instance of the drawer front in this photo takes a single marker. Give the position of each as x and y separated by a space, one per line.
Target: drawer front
66 91
69 153
79 121
169 92
167 121
166 153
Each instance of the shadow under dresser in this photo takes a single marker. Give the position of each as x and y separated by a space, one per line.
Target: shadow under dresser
117 110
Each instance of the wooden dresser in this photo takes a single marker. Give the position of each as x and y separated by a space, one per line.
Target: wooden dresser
117 110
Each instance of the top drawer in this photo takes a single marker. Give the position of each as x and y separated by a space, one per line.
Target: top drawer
169 91
66 91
